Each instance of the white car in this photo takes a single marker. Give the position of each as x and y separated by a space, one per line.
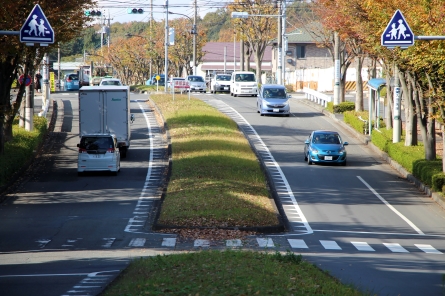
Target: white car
110 82
98 152
221 82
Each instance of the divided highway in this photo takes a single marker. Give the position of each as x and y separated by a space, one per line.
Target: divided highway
67 235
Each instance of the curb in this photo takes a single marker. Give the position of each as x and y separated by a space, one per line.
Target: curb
439 199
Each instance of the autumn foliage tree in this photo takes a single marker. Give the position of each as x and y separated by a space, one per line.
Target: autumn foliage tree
67 20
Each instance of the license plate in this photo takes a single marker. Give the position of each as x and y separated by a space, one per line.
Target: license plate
76 83
328 158
276 110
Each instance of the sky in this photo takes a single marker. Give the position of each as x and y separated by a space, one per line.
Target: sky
116 10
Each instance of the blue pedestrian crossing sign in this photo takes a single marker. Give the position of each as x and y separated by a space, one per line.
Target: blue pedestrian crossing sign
36 29
398 32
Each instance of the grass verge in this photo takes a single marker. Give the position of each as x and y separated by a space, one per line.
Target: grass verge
216 178
230 272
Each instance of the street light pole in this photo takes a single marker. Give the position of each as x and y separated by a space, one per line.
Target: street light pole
166 45
194 33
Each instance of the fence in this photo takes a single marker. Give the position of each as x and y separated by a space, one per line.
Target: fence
317 97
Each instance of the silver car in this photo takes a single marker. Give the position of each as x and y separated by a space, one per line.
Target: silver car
197 83
273 100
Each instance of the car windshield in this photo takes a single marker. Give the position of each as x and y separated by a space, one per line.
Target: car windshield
276 93
111 82
326 139
73 77
245 77
223 77
96 143
196 79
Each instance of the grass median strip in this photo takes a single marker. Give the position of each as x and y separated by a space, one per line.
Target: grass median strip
216 178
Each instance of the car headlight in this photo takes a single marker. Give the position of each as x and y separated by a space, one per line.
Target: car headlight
236 84
342 150
312 149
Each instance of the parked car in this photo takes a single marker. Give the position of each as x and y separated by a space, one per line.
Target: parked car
98 152
71 81
325 147
273 100
197 83
154 81
110 81
221 82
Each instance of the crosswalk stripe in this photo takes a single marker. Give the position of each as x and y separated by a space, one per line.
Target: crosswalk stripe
234 243
265 242
362 246
428 249
169 242
297 243
396 248
137 242
201 243
108 242
330 245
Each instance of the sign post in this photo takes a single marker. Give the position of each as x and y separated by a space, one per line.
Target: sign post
397 34
36 29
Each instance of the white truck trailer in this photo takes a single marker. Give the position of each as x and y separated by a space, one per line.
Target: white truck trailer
106 110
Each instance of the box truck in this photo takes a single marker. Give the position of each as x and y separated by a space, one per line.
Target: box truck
106 110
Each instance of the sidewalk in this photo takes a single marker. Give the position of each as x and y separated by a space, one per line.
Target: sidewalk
365 139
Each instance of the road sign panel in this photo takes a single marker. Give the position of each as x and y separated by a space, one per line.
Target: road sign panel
36 28
398 32
27 81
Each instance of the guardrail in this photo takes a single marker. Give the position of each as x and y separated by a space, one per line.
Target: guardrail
317 97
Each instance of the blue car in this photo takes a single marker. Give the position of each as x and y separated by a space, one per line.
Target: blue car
71 81
325 147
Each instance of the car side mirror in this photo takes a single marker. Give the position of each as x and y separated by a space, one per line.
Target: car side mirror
306 142
78 145
345 143
132 118
289 96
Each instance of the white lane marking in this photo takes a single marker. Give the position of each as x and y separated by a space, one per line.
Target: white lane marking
169 242
137 242
396 248
108 242
84 286
43 242
368 232
362 246
234 243
201 243
330 245
271 164
297 243
391 207
265 242
428 249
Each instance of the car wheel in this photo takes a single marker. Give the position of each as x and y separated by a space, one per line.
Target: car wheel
343 163
309 161
80 174
235 95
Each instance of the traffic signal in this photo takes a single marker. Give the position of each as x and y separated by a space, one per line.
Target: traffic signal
93 13
135 11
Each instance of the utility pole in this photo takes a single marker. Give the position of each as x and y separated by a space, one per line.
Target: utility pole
194 32
337 69
242 57
396 131
279 45
284 43
166 45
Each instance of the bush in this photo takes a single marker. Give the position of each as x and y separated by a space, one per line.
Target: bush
352 118
344 106
330 107
427 170
21 149
438 182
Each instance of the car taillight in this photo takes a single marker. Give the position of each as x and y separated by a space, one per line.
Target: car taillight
110 150
68 80
82 150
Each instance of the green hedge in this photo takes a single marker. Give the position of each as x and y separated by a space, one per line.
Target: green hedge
352 118
20 150
344 106
330 107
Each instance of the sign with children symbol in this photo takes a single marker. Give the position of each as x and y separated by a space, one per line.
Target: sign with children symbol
36 29
397 33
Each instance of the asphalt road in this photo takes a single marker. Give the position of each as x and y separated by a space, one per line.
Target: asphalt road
67 235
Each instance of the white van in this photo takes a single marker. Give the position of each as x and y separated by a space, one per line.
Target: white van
243 83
